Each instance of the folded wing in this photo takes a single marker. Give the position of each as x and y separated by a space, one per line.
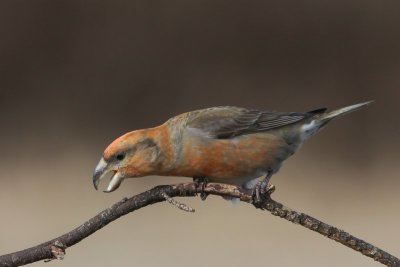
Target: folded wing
229 122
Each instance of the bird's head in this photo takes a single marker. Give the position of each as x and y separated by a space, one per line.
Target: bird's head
135 154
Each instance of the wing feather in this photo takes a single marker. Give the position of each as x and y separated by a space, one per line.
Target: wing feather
229 122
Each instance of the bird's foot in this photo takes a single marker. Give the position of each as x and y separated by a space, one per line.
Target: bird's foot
261 196
201 182
262 192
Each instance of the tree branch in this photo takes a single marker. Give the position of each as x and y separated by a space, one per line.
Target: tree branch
56 248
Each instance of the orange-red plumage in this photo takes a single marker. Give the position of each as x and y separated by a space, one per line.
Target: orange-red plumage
224 144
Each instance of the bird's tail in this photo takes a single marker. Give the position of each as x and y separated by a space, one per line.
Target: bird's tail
325 117
320 120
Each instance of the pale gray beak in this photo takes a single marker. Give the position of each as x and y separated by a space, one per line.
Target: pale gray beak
102 169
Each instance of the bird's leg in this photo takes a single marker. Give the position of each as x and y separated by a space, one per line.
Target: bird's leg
262 191
201 181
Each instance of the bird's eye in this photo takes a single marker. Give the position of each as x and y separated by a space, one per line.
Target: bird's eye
120 156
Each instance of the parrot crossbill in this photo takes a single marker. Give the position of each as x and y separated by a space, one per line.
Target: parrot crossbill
230 145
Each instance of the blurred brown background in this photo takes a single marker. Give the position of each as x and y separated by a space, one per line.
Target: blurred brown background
74 75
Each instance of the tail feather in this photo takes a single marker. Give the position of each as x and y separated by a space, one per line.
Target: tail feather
342 111
320 120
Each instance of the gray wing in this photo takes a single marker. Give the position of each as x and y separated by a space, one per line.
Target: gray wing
229 122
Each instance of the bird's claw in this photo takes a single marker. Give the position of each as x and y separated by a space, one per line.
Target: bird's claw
262 191
261 194
201 182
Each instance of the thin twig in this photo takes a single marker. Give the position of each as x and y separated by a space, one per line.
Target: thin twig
46 250
179 205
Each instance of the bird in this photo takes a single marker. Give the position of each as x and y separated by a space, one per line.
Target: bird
225 144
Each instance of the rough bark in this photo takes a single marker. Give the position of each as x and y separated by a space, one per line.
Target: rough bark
55 248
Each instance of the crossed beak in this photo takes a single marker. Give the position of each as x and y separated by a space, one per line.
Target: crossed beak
102 169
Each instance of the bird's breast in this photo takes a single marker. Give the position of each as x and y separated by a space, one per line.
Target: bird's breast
244 156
